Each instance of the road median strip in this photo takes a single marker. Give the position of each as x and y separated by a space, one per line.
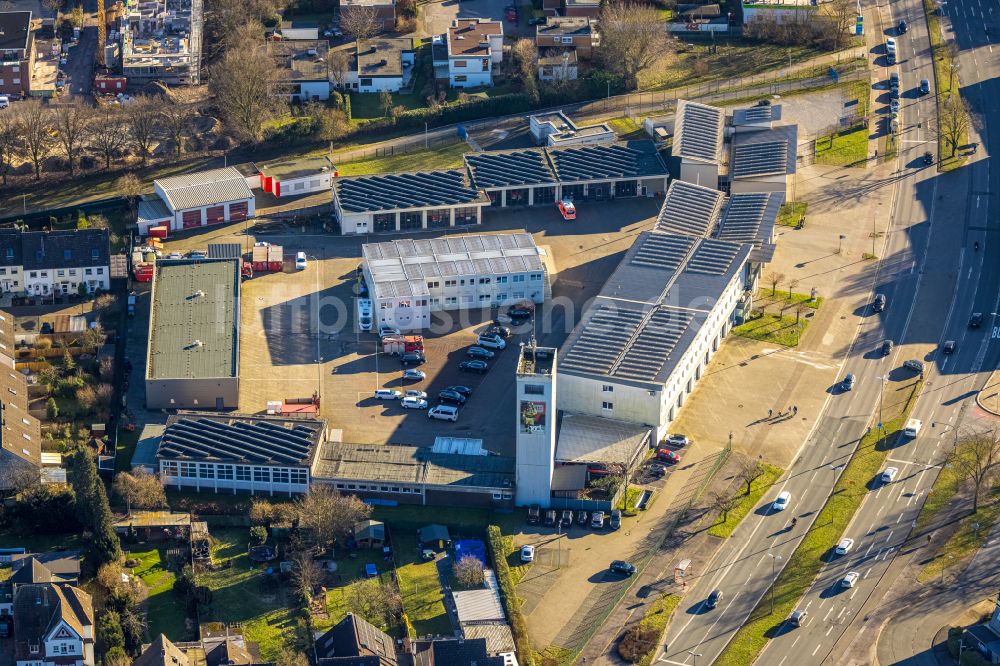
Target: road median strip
813 551
944 81
724 528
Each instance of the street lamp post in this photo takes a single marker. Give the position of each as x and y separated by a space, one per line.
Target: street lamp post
774 576
840 243
695 655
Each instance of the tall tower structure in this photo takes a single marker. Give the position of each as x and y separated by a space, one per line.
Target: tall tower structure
536 424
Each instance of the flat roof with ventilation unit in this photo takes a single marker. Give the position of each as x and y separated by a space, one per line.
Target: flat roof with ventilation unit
256 440
193 330
698 132
689 209
402 191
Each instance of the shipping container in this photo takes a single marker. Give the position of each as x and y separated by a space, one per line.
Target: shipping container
143 272
275 258
159 232
259 257
402 344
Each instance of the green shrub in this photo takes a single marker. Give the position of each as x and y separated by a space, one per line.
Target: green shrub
511 603
954 640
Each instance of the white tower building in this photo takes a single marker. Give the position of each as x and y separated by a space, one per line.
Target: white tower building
536 424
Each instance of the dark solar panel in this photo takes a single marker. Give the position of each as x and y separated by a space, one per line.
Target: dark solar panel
605 336
760 159
654 344
662 251
524 167
689 209
404 190
699 133
256 442
712 257
632 160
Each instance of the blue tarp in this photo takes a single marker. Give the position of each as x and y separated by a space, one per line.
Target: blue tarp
371 570
473 547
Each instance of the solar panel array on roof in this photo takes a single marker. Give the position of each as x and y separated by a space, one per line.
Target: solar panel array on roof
634 159
260 442
504 169
744 215
654 344
662 251
405 190
713 257
760 159
698 131
607 333
689 209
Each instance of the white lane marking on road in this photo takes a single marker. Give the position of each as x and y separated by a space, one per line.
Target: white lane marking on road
843 609
828 632
782 660
851 597
899 518
815 651
827 615
796 640
867 572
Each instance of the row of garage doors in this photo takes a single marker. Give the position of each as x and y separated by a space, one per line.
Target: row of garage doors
547 194
216 215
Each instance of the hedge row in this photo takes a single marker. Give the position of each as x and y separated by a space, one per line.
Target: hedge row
511 603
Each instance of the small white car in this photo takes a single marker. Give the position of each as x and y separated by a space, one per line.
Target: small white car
844 547
850 579
387 394
413 393
384 330
491 341
413 403
527 553
300 261
414 375
781 501
889 474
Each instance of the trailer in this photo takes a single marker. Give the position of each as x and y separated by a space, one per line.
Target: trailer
258 257
402 344
275 258
295 406
143 272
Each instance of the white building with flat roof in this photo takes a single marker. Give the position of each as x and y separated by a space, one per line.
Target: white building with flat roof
409 279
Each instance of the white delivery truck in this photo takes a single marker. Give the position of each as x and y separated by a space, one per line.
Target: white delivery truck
912 428
364 314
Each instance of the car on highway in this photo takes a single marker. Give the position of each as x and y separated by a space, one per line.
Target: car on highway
413 393
414 375
781 501
473 366
479 352
798 618
879 303
976 320
413 403
914 365
527 553
849 579
622 567
452 397
886 347
680 441
387 394
713 599
848 383
948 347
412 358
889 474
567 209
925 87
844 547
458 388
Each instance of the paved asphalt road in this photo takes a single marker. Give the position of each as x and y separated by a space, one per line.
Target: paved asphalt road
930 263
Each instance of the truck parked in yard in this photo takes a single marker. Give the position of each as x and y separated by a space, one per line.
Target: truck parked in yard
402 344
266 257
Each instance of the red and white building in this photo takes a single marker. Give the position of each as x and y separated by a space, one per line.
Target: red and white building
197 200
295 177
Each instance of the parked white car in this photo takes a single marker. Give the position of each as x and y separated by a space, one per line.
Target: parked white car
387 394
414 403
300 261
889 474
527 553
413 393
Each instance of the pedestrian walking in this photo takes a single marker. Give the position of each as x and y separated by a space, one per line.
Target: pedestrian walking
770 413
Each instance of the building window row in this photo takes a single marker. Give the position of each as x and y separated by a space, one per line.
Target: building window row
377 488
190 470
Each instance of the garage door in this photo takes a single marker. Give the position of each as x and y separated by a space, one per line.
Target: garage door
191 218
625 188
216 215
238 211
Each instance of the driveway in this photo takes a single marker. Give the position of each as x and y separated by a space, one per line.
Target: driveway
79 67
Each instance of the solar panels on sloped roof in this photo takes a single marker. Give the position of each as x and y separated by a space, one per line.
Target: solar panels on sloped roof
712 257
405 190
757 114
505 169
654 344
665 252
698 131
689 209
261 442
605 335
749 217
634 159
760 159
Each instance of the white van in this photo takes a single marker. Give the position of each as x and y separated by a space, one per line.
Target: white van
443 413
4 101
364 314
492 341
912 428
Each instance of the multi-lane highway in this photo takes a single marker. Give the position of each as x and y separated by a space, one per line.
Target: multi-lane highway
934 279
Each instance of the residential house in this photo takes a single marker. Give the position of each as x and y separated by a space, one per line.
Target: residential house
578 33
11 277
558 66
462 652
17 53
302 71
64 262
385 11
351 638
198 199
475 47
382 64
588 8
53 625
20 432
60 567
224 648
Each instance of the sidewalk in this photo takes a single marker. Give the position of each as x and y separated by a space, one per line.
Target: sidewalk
989 397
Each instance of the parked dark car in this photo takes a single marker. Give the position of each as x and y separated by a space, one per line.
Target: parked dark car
622 567
567 518
550 518
479 352
616 519
458 388
536 20
412 358
886 347
520 313
502 331
534 514
473 366
902 27
581 518
948 347
928 158
451 397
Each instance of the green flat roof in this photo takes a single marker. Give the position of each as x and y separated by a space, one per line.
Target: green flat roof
296 168
194 330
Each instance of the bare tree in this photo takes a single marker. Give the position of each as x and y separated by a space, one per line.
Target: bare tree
243 83
109 576
469 571
52 5
749 471
130 188
792 284
338 62
633 39
841 16
77 16
35 126
19 477
359 23
775 278
327 516
954 122
176 122
10 143
72 124
108 132
306 573
142 117
140 489
374 601
722 504
526 56
290 657
235 23
975 461
330 123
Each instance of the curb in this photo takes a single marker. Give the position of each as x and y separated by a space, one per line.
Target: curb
992 382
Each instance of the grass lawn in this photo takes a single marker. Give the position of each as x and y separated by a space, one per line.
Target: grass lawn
471 521
943 83
627 129
964 542
817 546
349 571
366 106
778 329
165 610
444 157
791 212
786 299
423 598
126 447
847 148
944 489
627 505
656 618
38 543
243 592
724 528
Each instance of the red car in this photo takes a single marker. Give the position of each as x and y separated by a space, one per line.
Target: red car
567 209
668 456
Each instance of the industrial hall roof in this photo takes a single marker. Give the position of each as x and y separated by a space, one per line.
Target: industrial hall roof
255 440
205 188
193 330
401 191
